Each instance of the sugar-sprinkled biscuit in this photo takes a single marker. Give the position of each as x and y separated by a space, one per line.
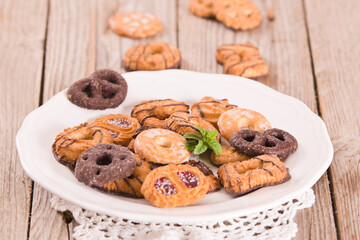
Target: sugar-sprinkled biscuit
135 24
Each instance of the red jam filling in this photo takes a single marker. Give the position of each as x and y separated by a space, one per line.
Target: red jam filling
189 179
164 186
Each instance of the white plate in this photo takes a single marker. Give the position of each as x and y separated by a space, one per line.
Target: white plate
307 164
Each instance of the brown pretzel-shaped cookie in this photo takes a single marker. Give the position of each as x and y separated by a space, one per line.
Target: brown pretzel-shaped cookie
243 177
103 89
174 185
273 141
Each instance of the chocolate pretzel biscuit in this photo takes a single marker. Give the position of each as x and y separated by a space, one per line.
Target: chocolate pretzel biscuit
103 89
272 141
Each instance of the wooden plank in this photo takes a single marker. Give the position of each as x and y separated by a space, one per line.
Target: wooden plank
22 27
334 33
70 56
283 43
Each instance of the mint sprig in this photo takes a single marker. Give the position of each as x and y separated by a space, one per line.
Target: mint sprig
199 143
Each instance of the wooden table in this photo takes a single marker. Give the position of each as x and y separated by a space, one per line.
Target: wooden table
313 48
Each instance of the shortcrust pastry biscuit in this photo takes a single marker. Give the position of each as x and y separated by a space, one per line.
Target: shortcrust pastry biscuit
210 109
161 146
202 8
242 60
154 112
238 118
239 178
229 154
237 14
214 183
183 123
72 142
135 24
174 186
152 56
121 127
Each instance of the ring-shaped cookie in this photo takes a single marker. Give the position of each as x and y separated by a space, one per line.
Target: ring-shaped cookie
154 112
103 164
161 146
72 142
151 57
238 118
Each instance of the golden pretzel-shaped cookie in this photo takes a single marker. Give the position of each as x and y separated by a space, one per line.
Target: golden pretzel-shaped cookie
174 186
121 127
154 112
242 60
239 178
202 8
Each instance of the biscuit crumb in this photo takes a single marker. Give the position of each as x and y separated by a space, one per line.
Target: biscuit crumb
270 14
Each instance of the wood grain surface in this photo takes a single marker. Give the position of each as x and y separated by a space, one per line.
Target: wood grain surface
312 48
70 56
334 35
22 37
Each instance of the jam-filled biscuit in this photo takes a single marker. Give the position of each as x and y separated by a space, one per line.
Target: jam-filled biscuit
228 155
72 142
104 88
237 14
242 60
135 24
272 141
210 109
131 186
161 146
151 57
239 178
183 123
154 112
214 184
238 118
103 164
174 186
121 127
202 8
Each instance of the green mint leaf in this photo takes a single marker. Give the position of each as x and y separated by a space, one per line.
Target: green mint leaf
215 146
212 135
190 145
202 131
200 148
193 136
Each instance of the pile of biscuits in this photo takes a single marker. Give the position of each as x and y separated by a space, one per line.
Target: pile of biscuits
144 155
238 59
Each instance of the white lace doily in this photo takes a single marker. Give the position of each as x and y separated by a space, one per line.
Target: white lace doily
270 224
